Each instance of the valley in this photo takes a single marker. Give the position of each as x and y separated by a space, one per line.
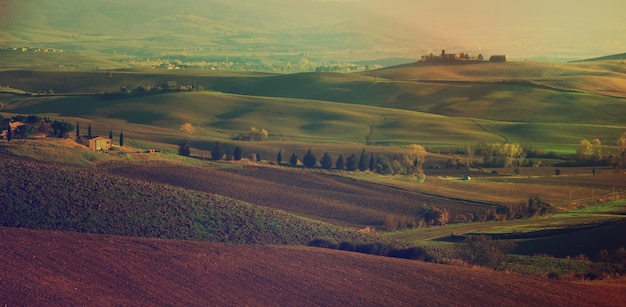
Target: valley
289 154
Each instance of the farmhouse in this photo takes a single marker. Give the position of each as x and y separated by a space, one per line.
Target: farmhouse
100 143
13 125
498 58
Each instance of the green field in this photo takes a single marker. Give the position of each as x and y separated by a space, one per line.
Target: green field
436 106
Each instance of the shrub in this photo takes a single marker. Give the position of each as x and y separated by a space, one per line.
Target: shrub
375 248
347 246
184 149
413 253
433 216
484 251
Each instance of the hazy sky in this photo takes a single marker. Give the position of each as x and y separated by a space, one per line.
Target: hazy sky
523 28
578 26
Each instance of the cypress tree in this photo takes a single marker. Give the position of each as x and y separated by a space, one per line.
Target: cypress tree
237 154
372 162
363 165
294 159
217 153
111 135
77 131
309 159
89 136
279 156
326 161
340 162
9 134
352 163
121 138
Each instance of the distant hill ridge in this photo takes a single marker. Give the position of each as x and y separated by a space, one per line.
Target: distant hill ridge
619 56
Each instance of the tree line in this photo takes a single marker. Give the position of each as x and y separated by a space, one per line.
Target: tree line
33 125
409 163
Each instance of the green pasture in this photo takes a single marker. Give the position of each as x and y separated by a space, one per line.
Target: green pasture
223 116
62 61
585 231
590 215
439 106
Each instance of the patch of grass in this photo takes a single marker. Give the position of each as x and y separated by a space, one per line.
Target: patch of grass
613 207
542 266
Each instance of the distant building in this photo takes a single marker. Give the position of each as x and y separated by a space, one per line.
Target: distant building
449 57
13 125
100 143
498 58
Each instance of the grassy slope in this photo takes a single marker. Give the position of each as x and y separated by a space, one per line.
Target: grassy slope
606 223
285 119
50 60
474 102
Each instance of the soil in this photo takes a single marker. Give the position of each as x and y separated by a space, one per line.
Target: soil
333 199
61 268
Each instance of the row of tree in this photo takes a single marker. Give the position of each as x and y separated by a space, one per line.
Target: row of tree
408 164
217 154
514 155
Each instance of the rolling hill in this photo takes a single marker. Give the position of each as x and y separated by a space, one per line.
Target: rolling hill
466 103
440 106
133 226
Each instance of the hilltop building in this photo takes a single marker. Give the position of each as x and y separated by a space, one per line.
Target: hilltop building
498 58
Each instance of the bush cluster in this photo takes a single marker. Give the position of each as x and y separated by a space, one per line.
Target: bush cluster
484 251
426 216
375 248
34 124
535 206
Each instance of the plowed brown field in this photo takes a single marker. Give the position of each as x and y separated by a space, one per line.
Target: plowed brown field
55 268
329 198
